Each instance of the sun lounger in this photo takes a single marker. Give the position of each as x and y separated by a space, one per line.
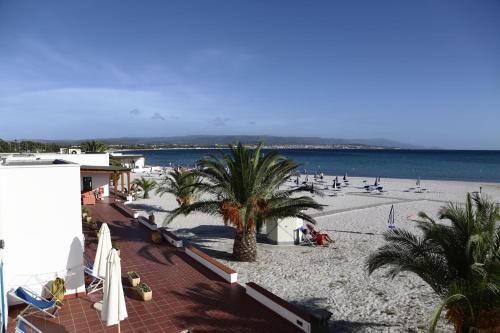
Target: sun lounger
24 326
35 302
96 282
307 238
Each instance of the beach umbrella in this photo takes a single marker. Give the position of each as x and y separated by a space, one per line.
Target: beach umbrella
337 179
390 222
376 182
345 177
114 309
334 183
103 248
418 182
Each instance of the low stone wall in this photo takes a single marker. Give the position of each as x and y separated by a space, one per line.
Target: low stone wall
171 238
296 316
223 271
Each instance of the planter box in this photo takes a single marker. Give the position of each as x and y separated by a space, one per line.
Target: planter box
145 295
133 278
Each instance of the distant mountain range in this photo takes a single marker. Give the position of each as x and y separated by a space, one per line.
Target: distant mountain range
204 140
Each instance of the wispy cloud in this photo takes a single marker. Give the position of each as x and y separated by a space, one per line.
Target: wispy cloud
157 116
220 121
135 112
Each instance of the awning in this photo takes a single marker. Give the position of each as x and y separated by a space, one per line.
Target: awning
103 169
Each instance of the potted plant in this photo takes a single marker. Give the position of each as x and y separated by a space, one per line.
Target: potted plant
133 278
115 246
145 291
85 212
156 237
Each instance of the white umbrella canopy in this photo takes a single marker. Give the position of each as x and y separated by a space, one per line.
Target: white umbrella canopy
114 309
103 248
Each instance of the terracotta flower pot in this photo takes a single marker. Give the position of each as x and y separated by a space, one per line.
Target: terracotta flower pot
156 237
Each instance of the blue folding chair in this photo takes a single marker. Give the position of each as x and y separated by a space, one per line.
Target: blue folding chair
24 326
35 302
97 282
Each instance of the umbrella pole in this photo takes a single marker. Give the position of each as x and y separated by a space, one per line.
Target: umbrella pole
119 327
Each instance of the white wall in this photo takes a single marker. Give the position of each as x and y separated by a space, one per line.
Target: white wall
40 221
82 159
140 163
98 180
131 161
283 231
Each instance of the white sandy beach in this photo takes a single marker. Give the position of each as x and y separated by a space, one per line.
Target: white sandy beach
335 278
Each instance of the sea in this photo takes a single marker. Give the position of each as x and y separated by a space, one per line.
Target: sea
463 165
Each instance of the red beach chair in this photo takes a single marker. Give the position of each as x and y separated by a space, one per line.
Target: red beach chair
319 237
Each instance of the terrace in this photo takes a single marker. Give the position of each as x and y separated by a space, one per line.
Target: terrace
185 293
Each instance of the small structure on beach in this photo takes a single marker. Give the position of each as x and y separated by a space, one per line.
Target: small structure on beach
135 162
284 231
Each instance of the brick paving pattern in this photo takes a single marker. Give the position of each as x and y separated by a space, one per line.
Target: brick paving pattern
185 294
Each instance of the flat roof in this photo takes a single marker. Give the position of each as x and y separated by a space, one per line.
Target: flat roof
34 162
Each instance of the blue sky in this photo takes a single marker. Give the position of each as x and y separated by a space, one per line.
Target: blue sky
421 72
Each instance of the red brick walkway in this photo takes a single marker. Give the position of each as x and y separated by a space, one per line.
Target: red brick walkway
185 294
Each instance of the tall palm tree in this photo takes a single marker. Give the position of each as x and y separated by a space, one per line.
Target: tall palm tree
244 188
93 146
460 262
147 185
180 184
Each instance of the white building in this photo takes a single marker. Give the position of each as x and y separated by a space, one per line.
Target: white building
95 169
136 162
40 223
40 215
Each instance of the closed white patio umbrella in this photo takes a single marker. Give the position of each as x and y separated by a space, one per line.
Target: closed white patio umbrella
113 302
103 248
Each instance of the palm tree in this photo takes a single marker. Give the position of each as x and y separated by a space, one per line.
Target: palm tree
93 146
180 184
244 185
147 185
460 262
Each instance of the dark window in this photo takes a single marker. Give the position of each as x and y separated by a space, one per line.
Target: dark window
87 184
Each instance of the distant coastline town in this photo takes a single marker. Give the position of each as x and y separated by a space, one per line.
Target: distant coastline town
10 146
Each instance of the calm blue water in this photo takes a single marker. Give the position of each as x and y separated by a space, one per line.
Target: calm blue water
426 164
